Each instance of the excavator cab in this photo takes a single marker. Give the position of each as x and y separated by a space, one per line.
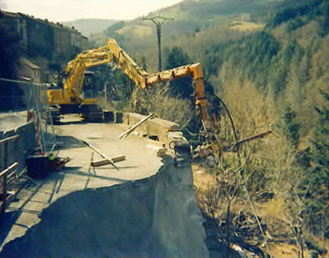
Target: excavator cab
89 85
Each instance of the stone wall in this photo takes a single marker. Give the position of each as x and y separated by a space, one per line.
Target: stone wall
155 128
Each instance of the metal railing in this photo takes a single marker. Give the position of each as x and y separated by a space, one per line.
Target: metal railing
7 169
32 97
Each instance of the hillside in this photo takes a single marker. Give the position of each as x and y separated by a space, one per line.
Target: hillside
197 24
89 26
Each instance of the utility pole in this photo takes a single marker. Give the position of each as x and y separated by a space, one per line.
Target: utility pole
158 21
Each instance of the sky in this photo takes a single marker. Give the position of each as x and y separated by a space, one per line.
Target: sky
68 10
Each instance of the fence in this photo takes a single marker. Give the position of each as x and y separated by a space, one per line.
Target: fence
25 126
26 100
8 169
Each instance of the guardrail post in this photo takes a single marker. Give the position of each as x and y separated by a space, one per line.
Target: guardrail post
4 178
7 169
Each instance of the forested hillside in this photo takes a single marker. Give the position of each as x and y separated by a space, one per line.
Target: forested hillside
269 62
197 24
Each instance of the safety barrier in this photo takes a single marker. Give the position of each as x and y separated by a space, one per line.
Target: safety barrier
20 96
7 169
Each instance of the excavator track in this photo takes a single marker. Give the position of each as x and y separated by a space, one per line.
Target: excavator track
92 113
55 115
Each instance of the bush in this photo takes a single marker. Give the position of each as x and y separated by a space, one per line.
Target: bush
160 101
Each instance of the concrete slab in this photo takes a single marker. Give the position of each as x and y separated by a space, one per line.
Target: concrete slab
33 199
147 208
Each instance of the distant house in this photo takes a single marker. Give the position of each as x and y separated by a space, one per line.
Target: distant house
35 37
28 71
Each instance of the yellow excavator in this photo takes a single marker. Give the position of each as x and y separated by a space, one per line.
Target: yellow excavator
74 81
68 97
70 94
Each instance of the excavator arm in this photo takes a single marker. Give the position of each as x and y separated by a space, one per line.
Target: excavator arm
194 71
75 69
74 76
110 53
127 64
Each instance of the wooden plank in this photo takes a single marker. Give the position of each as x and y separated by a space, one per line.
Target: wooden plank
101 154
126 133
119 158
106 162
237 144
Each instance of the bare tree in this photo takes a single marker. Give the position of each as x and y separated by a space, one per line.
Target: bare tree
293 216
229 182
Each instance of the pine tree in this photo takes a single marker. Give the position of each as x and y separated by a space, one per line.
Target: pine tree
317 184
180 87
291 126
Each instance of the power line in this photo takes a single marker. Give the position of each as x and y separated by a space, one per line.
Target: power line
158 21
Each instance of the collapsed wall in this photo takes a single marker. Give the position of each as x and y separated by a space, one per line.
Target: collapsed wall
157 216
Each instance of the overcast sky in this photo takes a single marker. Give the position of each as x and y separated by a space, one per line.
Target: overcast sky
68 10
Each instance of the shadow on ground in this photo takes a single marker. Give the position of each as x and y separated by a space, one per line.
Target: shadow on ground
68 142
